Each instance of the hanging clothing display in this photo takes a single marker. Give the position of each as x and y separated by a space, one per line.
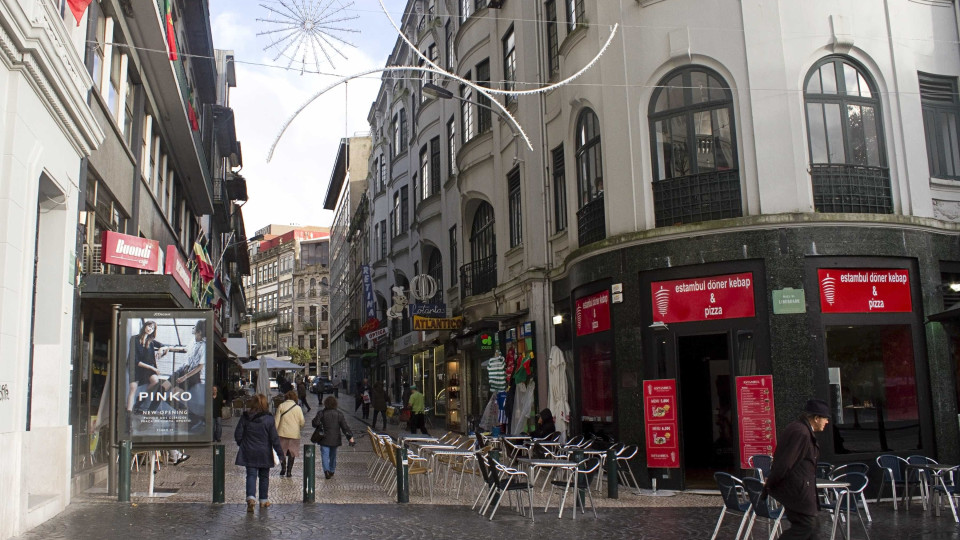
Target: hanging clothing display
490 413
496 368
502 406
523 406
524 369
511 363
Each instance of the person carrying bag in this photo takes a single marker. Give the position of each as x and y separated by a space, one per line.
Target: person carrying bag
329 422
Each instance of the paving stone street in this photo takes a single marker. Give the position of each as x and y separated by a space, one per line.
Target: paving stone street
351 505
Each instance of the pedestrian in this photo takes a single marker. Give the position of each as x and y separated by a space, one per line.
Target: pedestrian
256 434
289 426
336 386
357 399
302 394
417 419
379 399
217 414
545 425
793 475
333 423
365 398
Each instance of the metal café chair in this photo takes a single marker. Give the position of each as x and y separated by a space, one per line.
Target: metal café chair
893 469
760 508
761 463
507 480
843 474
922 477
734 500
858 483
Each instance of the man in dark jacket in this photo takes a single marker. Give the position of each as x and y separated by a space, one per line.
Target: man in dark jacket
379 399
793 475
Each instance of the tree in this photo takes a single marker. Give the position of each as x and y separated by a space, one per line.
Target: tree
300 356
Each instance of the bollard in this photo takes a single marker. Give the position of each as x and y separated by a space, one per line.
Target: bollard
403 472
219 475
612 476
577 456
126 452
309 473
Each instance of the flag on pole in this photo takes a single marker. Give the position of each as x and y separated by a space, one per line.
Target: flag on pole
192 111
77 7
171 35
204 266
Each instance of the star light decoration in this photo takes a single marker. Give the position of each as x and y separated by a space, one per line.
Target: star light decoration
431 67
302 30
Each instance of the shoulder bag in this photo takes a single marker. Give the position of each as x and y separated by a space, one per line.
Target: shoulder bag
318 432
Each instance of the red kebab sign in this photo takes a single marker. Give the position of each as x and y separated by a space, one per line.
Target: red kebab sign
660 417
703 299
844 290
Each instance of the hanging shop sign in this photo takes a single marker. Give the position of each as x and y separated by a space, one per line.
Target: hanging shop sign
847 290
177 267
167 372
757 418
369 303
429 323
130 251
660 416
375 335
703 299
593 313
428 310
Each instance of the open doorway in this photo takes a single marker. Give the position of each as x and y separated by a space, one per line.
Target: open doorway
706 405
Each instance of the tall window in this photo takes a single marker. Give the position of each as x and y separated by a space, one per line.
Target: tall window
374 171
434 167
483 239
848 160
466 110
395 135
516 210
435 270
395 215
453 255
575 13
448 48
404 210
452 146
425 172
695 168
589 160
376 239
941 116
466 9
553 41
383 173
403 130
509 63
383 239
484 118
559 190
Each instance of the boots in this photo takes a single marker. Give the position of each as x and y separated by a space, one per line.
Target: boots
283 467
290 460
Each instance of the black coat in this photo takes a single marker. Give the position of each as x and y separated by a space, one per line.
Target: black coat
258 440
333 423
793 474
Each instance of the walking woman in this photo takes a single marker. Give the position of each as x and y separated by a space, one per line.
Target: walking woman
333 423
257 437
289 425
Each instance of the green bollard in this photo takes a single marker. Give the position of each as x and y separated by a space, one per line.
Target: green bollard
612 476
126 452
219 475
577 456
403 473
309 473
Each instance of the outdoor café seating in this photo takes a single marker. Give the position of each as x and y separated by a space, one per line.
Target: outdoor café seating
845 500
893 471
579 477
760 507
735 501
761 463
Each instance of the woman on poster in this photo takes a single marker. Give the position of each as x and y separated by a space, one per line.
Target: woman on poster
142 358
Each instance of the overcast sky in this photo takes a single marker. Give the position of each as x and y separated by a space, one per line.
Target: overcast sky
290 189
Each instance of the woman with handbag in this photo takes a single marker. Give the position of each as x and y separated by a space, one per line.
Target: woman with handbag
329 422
289 426
257 437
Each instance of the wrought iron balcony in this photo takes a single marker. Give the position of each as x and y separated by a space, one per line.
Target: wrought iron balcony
851 188
284 327
591 221
697 197
478 277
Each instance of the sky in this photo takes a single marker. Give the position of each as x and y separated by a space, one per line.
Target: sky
291 188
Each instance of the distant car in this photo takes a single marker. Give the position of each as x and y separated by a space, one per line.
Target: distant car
322 385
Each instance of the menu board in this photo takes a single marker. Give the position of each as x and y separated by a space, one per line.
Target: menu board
660 416
758 424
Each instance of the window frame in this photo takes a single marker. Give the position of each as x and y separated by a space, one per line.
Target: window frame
933 112
515 207
559 189
552 36
509 48
588 189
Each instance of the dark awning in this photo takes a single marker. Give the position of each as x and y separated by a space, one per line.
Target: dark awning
951 314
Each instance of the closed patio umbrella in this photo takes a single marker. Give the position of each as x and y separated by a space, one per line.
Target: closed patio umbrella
263 378
558 400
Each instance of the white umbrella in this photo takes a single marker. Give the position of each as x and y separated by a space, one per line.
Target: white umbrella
559 403
263 377
272 364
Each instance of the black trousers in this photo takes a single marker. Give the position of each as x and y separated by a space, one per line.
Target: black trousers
383 414
418 421
802 527
366 411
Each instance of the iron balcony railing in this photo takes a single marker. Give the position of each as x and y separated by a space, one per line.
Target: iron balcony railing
851 188
591 221
478 276
697 197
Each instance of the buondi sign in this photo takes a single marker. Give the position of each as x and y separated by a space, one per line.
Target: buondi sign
177 267
844 290
703 299
130 251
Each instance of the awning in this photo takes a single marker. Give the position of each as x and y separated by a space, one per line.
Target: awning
238 346
951 314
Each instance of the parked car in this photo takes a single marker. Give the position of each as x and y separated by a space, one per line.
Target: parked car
323 385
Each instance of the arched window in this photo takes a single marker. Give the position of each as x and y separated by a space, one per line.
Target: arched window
435 270
480 275
848 161
300 288
591 219
696 172
313 286
323 281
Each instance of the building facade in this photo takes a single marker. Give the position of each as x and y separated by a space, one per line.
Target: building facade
703 211
311 303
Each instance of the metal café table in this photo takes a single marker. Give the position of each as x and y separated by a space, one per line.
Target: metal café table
937 470
405 441
533 464
435 452
845 493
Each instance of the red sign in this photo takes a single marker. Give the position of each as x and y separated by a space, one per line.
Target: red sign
177 267
758 422
132 251
703 299
660 416
845 290
593 313
369 326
